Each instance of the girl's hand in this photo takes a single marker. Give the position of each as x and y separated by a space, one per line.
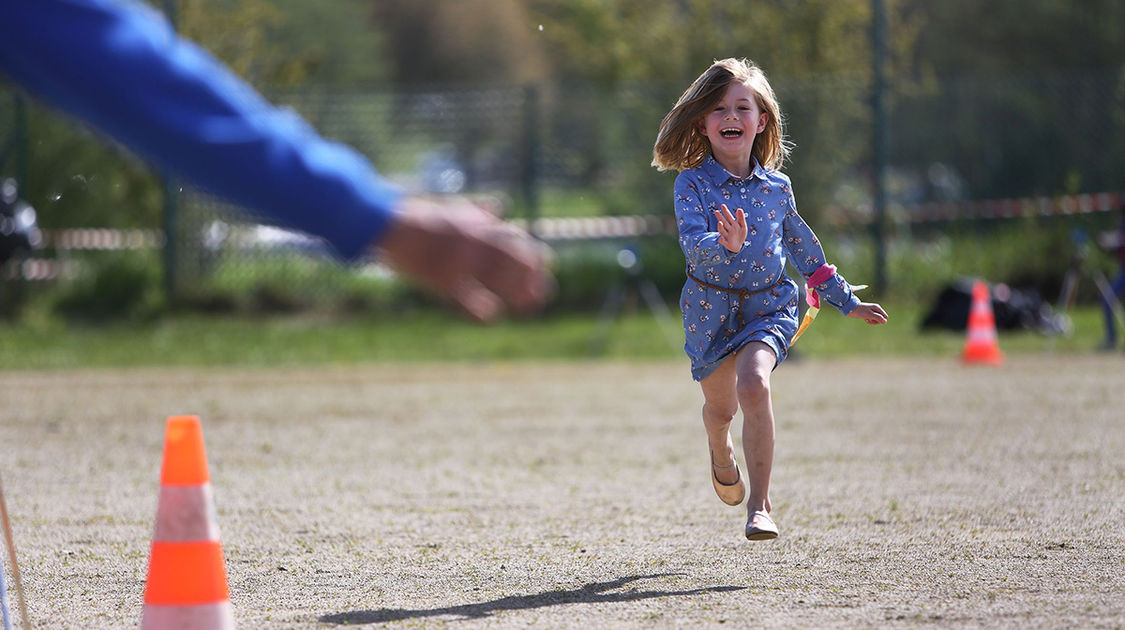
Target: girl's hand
732 230
869 312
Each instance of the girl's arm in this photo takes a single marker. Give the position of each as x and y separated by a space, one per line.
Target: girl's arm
701 245
807 255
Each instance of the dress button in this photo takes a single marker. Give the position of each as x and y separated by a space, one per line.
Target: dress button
741 190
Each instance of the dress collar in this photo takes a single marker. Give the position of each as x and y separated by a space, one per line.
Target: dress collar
720 175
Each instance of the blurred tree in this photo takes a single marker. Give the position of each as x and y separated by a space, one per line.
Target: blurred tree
623 40
76 181
477 41
816 52
1002 37
613 67
283 43
1024 97
237 32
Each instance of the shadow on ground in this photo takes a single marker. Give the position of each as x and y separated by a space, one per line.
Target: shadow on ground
594 593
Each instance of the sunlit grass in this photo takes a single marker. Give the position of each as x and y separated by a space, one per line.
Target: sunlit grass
436 336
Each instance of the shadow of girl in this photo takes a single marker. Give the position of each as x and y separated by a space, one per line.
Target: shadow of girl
596 592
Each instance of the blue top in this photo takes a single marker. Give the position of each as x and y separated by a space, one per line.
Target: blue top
750 297
120 67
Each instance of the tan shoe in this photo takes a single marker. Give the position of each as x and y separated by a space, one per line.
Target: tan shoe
760 526
733 493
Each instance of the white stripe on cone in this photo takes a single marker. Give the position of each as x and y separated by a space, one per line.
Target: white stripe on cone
219 615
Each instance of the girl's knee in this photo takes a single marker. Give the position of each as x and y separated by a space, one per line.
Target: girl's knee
753 388
719 414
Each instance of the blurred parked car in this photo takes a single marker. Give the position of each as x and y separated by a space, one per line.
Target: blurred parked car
19 230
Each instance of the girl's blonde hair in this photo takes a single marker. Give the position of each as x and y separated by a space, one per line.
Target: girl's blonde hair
680 145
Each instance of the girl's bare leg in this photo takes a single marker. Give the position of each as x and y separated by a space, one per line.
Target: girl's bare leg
753 365
720 403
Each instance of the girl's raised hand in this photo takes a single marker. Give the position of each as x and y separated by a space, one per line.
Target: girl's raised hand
732 228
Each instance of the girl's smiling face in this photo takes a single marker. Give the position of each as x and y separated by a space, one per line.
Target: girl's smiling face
731 127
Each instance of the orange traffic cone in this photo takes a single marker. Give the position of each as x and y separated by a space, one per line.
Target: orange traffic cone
187 580
980 342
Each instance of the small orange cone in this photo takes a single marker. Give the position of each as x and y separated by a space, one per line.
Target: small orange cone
187 579
980 342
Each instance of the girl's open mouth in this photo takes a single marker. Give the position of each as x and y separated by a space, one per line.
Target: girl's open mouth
730 132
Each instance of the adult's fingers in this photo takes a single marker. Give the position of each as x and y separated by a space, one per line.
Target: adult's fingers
470 257
514 267
476 300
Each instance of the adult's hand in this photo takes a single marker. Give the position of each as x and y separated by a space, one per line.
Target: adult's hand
467 255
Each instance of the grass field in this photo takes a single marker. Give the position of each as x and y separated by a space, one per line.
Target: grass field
44 343
911 493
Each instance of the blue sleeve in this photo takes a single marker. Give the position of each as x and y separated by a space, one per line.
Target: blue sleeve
698 241
807 255
121 68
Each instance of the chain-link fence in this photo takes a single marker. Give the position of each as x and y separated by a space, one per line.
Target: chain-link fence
564 150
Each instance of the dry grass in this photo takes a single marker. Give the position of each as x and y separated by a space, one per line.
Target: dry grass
910 493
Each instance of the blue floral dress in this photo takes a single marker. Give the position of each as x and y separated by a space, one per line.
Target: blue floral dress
731 299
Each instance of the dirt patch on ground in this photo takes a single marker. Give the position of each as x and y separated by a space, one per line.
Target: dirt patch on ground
909 494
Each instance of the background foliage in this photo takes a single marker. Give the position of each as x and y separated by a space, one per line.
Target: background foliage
1004 99
818 52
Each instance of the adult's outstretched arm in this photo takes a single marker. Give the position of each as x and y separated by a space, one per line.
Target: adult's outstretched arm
119 66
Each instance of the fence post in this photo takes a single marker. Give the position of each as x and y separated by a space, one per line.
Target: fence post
14 156
880 140
529 172
20 145
171 206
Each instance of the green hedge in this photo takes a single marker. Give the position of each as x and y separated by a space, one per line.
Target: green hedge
1026 254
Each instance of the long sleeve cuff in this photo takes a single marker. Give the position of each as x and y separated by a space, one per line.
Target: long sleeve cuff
833 288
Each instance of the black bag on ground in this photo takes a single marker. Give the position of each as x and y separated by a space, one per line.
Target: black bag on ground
1013 309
